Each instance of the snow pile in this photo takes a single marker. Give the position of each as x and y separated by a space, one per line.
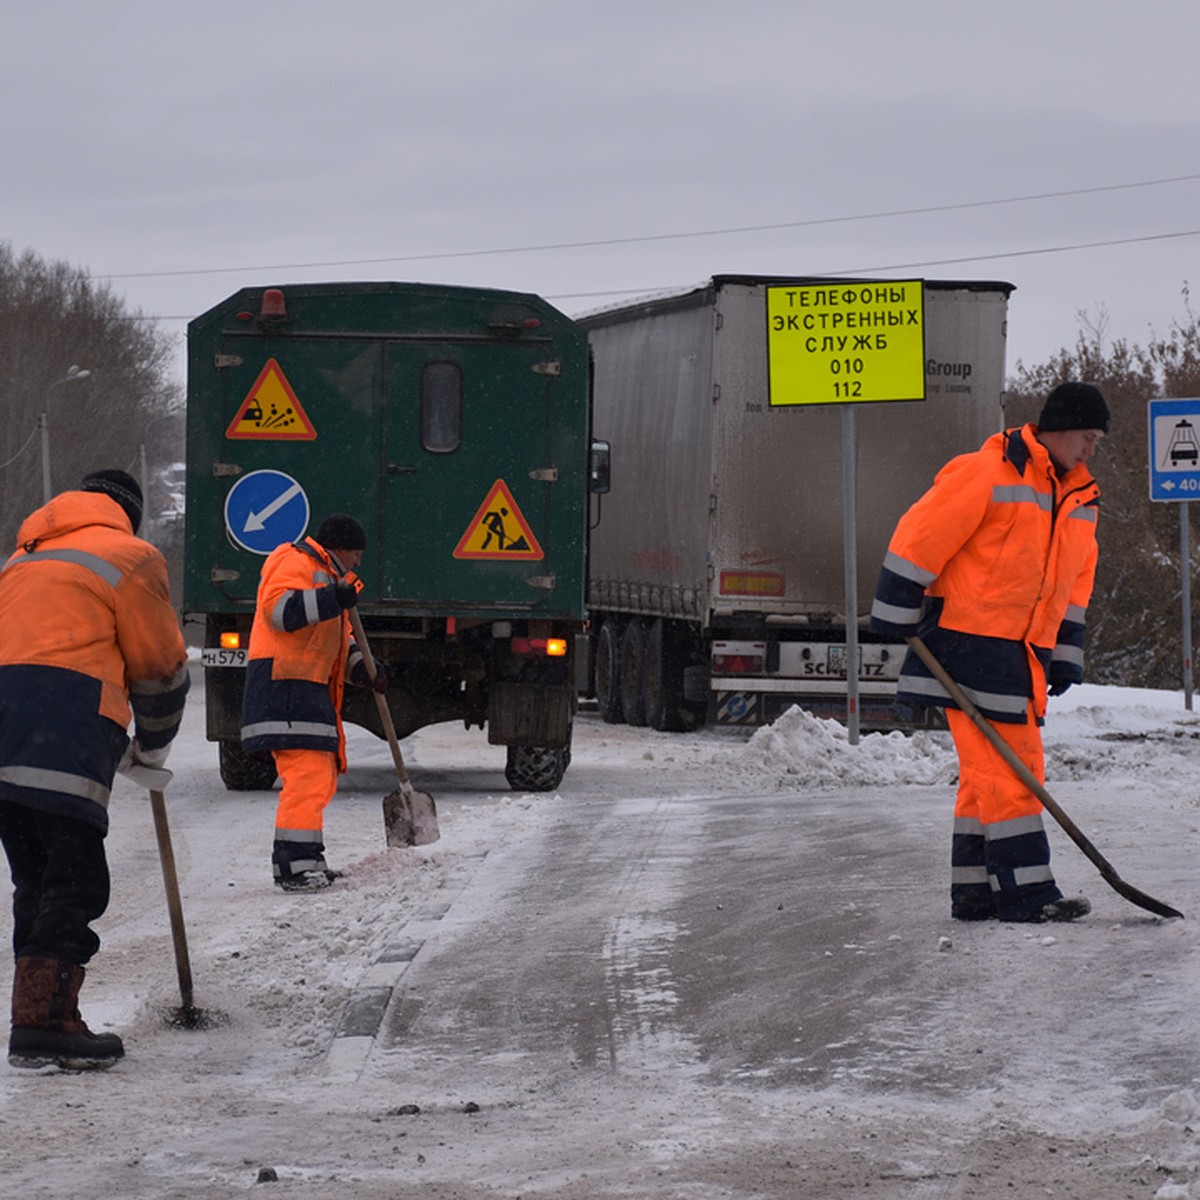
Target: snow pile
1091 732
1136 734
801 747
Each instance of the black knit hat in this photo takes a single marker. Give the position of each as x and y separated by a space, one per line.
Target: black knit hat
119 486
1073 406
340 532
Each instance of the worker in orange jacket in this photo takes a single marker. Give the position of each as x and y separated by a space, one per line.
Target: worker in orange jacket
993 568
301 654
88 638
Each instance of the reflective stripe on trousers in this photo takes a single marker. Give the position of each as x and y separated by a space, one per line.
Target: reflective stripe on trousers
1000 856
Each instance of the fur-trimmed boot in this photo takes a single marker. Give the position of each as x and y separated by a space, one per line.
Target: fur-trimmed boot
47 1029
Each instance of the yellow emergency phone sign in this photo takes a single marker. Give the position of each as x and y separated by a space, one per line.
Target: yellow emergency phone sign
845 342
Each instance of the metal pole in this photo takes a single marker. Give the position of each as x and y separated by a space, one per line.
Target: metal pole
1185 565
72 374
850 551
44 425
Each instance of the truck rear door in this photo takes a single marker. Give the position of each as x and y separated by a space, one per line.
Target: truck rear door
470 455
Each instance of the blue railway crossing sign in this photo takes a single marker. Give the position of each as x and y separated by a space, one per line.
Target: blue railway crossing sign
264 509
1174 449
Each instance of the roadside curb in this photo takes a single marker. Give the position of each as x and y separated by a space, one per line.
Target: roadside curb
367 1006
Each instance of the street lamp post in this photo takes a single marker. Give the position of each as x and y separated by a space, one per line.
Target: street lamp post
72 374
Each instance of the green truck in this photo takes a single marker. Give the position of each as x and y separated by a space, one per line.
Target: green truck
454 423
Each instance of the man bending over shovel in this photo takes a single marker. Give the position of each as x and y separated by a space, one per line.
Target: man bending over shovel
301 655
88 639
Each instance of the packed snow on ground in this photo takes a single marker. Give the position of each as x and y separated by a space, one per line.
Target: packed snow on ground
211 1113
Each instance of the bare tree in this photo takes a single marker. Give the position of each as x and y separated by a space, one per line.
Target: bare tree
73 356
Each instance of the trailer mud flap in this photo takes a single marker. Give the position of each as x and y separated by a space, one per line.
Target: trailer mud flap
738 708
530 714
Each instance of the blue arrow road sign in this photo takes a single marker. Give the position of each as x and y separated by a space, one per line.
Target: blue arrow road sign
264 509
1174 449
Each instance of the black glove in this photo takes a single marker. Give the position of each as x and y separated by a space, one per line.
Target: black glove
381 679
358 676
1059 679
347 594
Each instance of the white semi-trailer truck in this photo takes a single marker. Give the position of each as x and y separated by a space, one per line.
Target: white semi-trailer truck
717 579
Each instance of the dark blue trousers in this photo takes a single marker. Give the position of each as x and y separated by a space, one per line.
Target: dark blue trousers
60 881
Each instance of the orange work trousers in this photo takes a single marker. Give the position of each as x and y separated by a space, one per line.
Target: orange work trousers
309 783
1000 859
988 788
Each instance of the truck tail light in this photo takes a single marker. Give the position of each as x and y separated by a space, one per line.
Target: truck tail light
231 640
737 664
550 647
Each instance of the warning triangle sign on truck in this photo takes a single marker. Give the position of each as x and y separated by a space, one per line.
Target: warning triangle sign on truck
499 530
271 410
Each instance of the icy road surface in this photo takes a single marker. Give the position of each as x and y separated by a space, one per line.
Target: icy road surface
709 967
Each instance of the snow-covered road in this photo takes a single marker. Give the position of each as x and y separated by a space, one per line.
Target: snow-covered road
708 967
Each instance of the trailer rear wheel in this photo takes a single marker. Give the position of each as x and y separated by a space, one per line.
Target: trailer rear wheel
607 681
536 768
633 672
242 772
662 684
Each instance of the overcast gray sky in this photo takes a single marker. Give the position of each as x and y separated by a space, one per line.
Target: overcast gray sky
594 151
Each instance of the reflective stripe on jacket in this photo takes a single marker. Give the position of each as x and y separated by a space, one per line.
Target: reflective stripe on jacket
87 634
994 567
299 646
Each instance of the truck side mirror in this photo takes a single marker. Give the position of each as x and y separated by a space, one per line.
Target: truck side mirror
600 467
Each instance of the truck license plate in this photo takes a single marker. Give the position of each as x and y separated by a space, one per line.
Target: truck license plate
836 660
216 656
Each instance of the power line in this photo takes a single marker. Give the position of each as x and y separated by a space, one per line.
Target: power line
908 266
944 262
660 237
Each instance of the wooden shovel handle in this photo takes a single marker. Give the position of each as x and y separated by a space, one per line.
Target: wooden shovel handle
385 713
166 855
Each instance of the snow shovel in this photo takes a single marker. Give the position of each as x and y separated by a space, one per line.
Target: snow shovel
1026 776
409 816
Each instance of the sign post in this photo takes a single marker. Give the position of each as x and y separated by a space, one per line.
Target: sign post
1174 442
846 344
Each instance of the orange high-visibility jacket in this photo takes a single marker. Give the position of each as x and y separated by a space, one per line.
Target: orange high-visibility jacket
994 567
87 632
299 647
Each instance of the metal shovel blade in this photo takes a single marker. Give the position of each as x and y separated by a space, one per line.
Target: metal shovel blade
410 818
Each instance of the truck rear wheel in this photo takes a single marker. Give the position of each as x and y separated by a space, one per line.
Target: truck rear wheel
662 685
242 772
607 683
536 768
633 672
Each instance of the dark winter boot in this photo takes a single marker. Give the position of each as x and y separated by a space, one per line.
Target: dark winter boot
301 867
1069 908
47 1029
307 881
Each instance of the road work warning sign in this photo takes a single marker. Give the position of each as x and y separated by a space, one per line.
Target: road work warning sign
498 530
846 343
271 410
